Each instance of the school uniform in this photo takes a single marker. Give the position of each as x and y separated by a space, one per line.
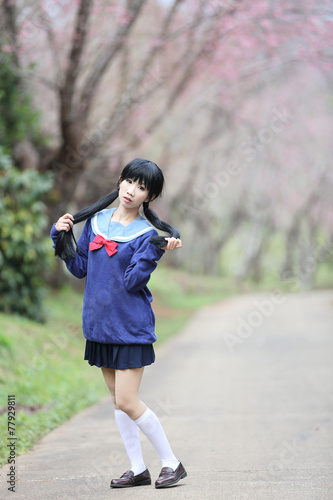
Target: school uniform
117 318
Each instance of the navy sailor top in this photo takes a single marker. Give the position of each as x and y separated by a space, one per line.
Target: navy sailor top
117 302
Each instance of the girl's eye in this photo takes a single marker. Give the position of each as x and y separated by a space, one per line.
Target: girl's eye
142 188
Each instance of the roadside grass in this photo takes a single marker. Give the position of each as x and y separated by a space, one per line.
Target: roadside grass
41 364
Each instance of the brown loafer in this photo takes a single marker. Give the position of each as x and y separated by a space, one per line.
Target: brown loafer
168 476
128 479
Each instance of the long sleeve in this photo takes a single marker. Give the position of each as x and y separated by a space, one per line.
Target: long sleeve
78 265
143 263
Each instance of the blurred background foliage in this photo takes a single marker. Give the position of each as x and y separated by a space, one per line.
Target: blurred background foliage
233 100
19 120
24 251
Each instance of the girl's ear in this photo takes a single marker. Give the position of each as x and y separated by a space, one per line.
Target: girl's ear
148 200
119 181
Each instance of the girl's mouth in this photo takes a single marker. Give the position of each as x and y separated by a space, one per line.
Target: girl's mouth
127 200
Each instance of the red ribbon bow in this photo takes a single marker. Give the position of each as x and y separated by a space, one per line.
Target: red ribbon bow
99 241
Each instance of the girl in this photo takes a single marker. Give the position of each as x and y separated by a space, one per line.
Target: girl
116 253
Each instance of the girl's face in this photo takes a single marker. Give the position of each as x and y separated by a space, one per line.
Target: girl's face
132 194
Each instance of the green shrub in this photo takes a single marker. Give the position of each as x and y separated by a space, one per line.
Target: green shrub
24 251
18 119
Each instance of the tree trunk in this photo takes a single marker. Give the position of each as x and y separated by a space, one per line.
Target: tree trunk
291 242
68 166
256 239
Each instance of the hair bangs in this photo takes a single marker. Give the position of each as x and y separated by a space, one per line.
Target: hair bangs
147 173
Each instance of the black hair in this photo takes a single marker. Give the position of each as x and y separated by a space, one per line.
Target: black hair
145 172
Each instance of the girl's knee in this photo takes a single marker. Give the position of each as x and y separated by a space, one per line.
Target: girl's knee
114 401
134 408
124 404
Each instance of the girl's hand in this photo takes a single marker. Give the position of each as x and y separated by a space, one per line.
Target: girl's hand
173 243
65 223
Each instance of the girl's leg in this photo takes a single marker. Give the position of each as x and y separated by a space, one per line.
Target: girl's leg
127 397
128 429
153 430
127 386
109 375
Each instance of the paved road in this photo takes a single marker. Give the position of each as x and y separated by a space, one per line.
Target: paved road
245 397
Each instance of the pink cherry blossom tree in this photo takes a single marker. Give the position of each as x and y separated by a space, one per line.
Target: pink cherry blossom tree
231 98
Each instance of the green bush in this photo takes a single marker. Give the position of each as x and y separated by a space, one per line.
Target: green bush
18 119
24 251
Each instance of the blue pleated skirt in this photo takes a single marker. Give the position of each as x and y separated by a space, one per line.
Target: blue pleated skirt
119 356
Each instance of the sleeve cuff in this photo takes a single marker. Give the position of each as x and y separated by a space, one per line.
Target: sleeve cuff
159 252
54 234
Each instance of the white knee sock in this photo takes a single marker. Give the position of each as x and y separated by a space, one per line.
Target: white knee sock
151 427
130 435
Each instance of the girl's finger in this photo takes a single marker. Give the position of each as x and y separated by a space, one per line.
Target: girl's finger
173 243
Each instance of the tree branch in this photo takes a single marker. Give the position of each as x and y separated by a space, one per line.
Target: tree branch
104 61
130 96
78 41
155 49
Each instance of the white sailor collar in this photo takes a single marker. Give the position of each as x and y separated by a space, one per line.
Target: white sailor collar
115 231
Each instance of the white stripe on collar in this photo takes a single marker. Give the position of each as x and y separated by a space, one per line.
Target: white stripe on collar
100 225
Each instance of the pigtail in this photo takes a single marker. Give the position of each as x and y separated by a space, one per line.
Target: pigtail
66 245
153 218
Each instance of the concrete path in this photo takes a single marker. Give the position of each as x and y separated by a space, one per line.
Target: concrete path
245 397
